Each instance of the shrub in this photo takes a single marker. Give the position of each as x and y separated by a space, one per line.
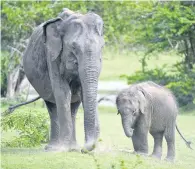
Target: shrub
31 127
183 88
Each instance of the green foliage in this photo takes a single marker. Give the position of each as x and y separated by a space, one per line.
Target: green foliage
183 86
181 83
31 127
168 25
20 18
155 25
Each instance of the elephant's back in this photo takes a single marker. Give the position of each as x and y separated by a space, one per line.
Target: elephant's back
163 99
164 108
160 97
35 64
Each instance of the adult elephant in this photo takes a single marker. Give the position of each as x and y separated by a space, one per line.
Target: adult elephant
63 63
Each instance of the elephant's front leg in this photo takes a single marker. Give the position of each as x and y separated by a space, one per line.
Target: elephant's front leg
74 109
96 132
62 94
140 140
63 99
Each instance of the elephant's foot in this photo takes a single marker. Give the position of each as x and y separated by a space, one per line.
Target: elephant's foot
88 147
155 155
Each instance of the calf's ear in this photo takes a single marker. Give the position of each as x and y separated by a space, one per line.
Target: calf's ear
142 102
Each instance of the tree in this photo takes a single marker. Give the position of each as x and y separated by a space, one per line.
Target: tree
168 25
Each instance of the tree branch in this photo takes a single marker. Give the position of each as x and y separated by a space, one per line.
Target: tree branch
12 108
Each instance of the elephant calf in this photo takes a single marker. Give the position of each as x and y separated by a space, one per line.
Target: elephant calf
149 107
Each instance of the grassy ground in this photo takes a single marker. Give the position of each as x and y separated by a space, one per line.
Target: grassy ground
116 64
113 151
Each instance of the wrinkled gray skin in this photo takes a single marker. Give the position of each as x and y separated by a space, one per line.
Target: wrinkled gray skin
63 63
148 107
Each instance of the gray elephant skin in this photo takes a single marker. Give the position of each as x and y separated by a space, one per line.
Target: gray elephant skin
63 62
147 107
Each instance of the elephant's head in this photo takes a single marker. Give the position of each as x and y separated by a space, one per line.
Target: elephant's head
76 42
131 104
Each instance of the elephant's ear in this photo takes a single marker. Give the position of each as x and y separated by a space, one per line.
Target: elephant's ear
52 38
99 27
142 101
99 24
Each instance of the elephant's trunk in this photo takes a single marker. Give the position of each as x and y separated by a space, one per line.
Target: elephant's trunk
127 124
89 82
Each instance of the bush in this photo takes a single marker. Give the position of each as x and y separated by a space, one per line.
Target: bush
31 126
180 82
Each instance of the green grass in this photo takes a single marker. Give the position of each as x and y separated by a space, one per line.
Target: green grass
113 151
116 64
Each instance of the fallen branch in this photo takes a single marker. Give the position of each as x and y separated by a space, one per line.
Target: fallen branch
15 50
12 108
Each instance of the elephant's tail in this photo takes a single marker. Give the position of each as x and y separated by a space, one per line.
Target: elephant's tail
188 143
12 108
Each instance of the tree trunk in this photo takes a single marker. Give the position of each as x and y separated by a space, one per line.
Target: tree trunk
14 80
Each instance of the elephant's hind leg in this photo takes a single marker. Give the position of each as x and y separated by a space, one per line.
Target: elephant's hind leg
170 138
54 127
158 138
74 109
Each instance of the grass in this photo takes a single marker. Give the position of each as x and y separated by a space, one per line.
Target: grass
113 150
116 64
